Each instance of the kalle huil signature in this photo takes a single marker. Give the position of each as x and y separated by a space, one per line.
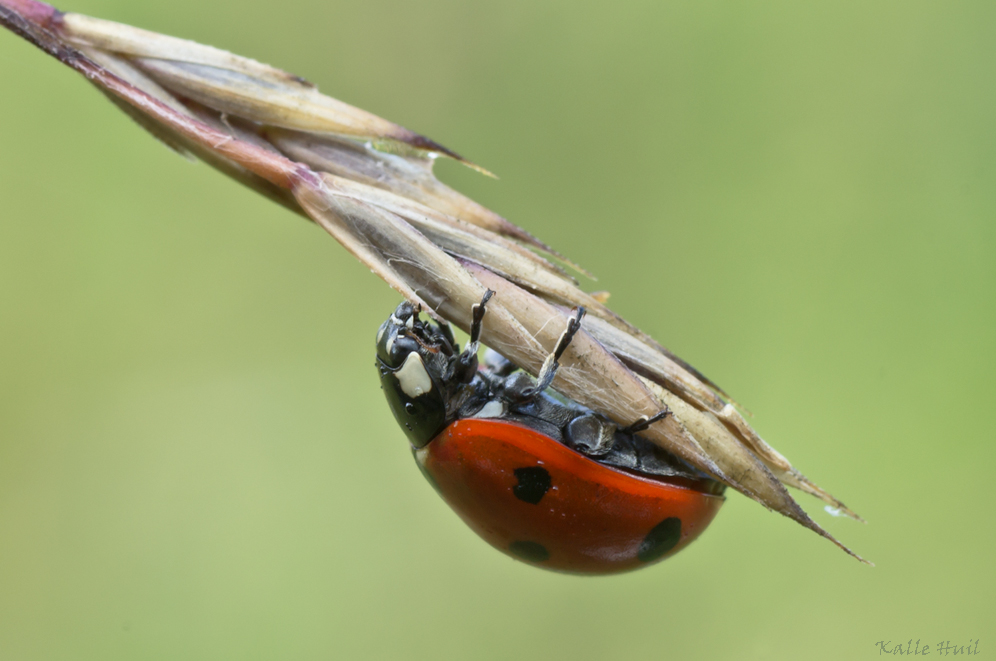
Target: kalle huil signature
943 648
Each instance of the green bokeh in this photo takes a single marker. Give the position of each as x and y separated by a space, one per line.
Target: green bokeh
798 198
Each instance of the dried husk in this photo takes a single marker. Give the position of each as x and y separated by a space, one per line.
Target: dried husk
369 183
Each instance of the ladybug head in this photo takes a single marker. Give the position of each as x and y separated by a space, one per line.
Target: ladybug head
413 358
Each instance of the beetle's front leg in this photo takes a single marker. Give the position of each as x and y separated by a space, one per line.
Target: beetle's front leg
465 365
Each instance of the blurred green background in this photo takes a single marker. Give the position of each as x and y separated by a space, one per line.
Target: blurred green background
195 458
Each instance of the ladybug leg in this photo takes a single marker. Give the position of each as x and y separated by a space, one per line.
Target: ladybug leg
644 423
447 336
498 364
477 312
590 435
552 362
465 365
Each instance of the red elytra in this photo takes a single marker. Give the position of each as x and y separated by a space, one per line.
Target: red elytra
536 500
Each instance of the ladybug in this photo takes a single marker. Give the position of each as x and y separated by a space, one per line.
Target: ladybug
537 476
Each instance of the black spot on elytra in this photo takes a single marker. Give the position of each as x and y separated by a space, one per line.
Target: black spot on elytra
661 539
533 484
531 551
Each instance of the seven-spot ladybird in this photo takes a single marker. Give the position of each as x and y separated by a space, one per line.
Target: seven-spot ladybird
544 480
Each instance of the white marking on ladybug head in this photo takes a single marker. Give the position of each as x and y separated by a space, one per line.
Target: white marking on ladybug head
493 409
421 454
413 376
380 333
411 322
